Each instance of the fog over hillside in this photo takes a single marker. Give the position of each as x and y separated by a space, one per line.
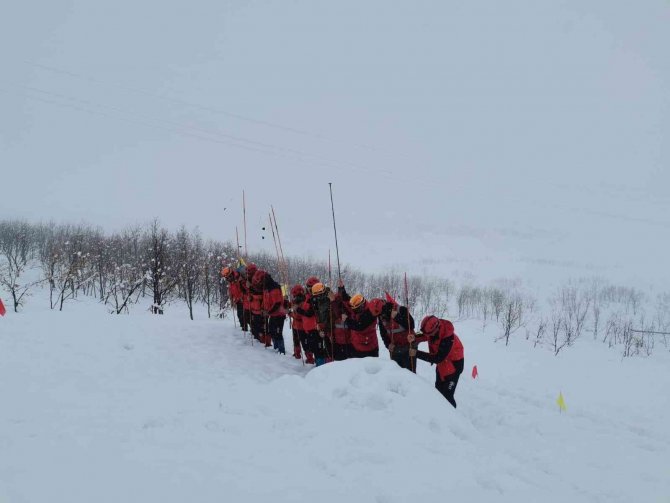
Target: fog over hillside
495 140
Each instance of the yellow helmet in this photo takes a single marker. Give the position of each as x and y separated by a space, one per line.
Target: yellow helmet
318 289
357 301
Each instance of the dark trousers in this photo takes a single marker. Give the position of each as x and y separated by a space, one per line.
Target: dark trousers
300 339
258 325
447 386
363 354
296 341
243 319
401 356
247 318
318 345
276 331
341 351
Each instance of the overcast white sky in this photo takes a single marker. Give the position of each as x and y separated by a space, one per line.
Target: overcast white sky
517 137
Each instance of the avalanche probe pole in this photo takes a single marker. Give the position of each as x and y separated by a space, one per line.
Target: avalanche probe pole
412 361
274 238
337 249
230 297
281 249
244 213
246 258
330 272
237 237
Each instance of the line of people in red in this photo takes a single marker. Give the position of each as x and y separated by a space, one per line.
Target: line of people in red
333 326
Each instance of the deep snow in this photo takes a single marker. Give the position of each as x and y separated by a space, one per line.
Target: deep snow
108 408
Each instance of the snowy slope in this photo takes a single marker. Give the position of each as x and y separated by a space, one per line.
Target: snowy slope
142 408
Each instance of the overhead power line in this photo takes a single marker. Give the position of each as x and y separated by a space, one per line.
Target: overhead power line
216 110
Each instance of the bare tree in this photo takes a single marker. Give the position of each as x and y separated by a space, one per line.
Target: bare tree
49 258
213 288
16 241
188 262
497 298
511 317
574 303
557 329
124 271
540 332
160 275
71 267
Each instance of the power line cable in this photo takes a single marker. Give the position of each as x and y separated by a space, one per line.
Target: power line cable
261 122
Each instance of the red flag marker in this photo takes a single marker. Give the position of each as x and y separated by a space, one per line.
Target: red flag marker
3 311
475 372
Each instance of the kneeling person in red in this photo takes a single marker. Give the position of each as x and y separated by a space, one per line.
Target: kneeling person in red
445 350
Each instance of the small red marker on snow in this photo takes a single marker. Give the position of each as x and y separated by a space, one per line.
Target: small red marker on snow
3 311
475 372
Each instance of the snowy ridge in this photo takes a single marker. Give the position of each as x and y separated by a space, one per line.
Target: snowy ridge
149 408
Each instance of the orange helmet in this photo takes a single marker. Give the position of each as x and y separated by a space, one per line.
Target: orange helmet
227 272
357 301
318 289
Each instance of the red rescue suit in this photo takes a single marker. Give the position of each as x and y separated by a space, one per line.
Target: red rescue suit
446 337
397 333
363 327
273 302
235 291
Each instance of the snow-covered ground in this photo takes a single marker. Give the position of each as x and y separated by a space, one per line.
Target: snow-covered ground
102 408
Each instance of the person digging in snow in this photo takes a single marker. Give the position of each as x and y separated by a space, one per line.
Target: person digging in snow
445 349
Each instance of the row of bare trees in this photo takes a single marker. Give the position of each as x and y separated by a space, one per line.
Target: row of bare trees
16 250
621 317
119 269
153 265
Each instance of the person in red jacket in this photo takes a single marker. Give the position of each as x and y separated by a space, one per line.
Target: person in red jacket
363 326
395 324
235 293
272 310
299 335
445 350
258 316
315 342
341 335
246 275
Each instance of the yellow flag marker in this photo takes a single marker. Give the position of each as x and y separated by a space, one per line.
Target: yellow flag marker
242 262
284 289
561 403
